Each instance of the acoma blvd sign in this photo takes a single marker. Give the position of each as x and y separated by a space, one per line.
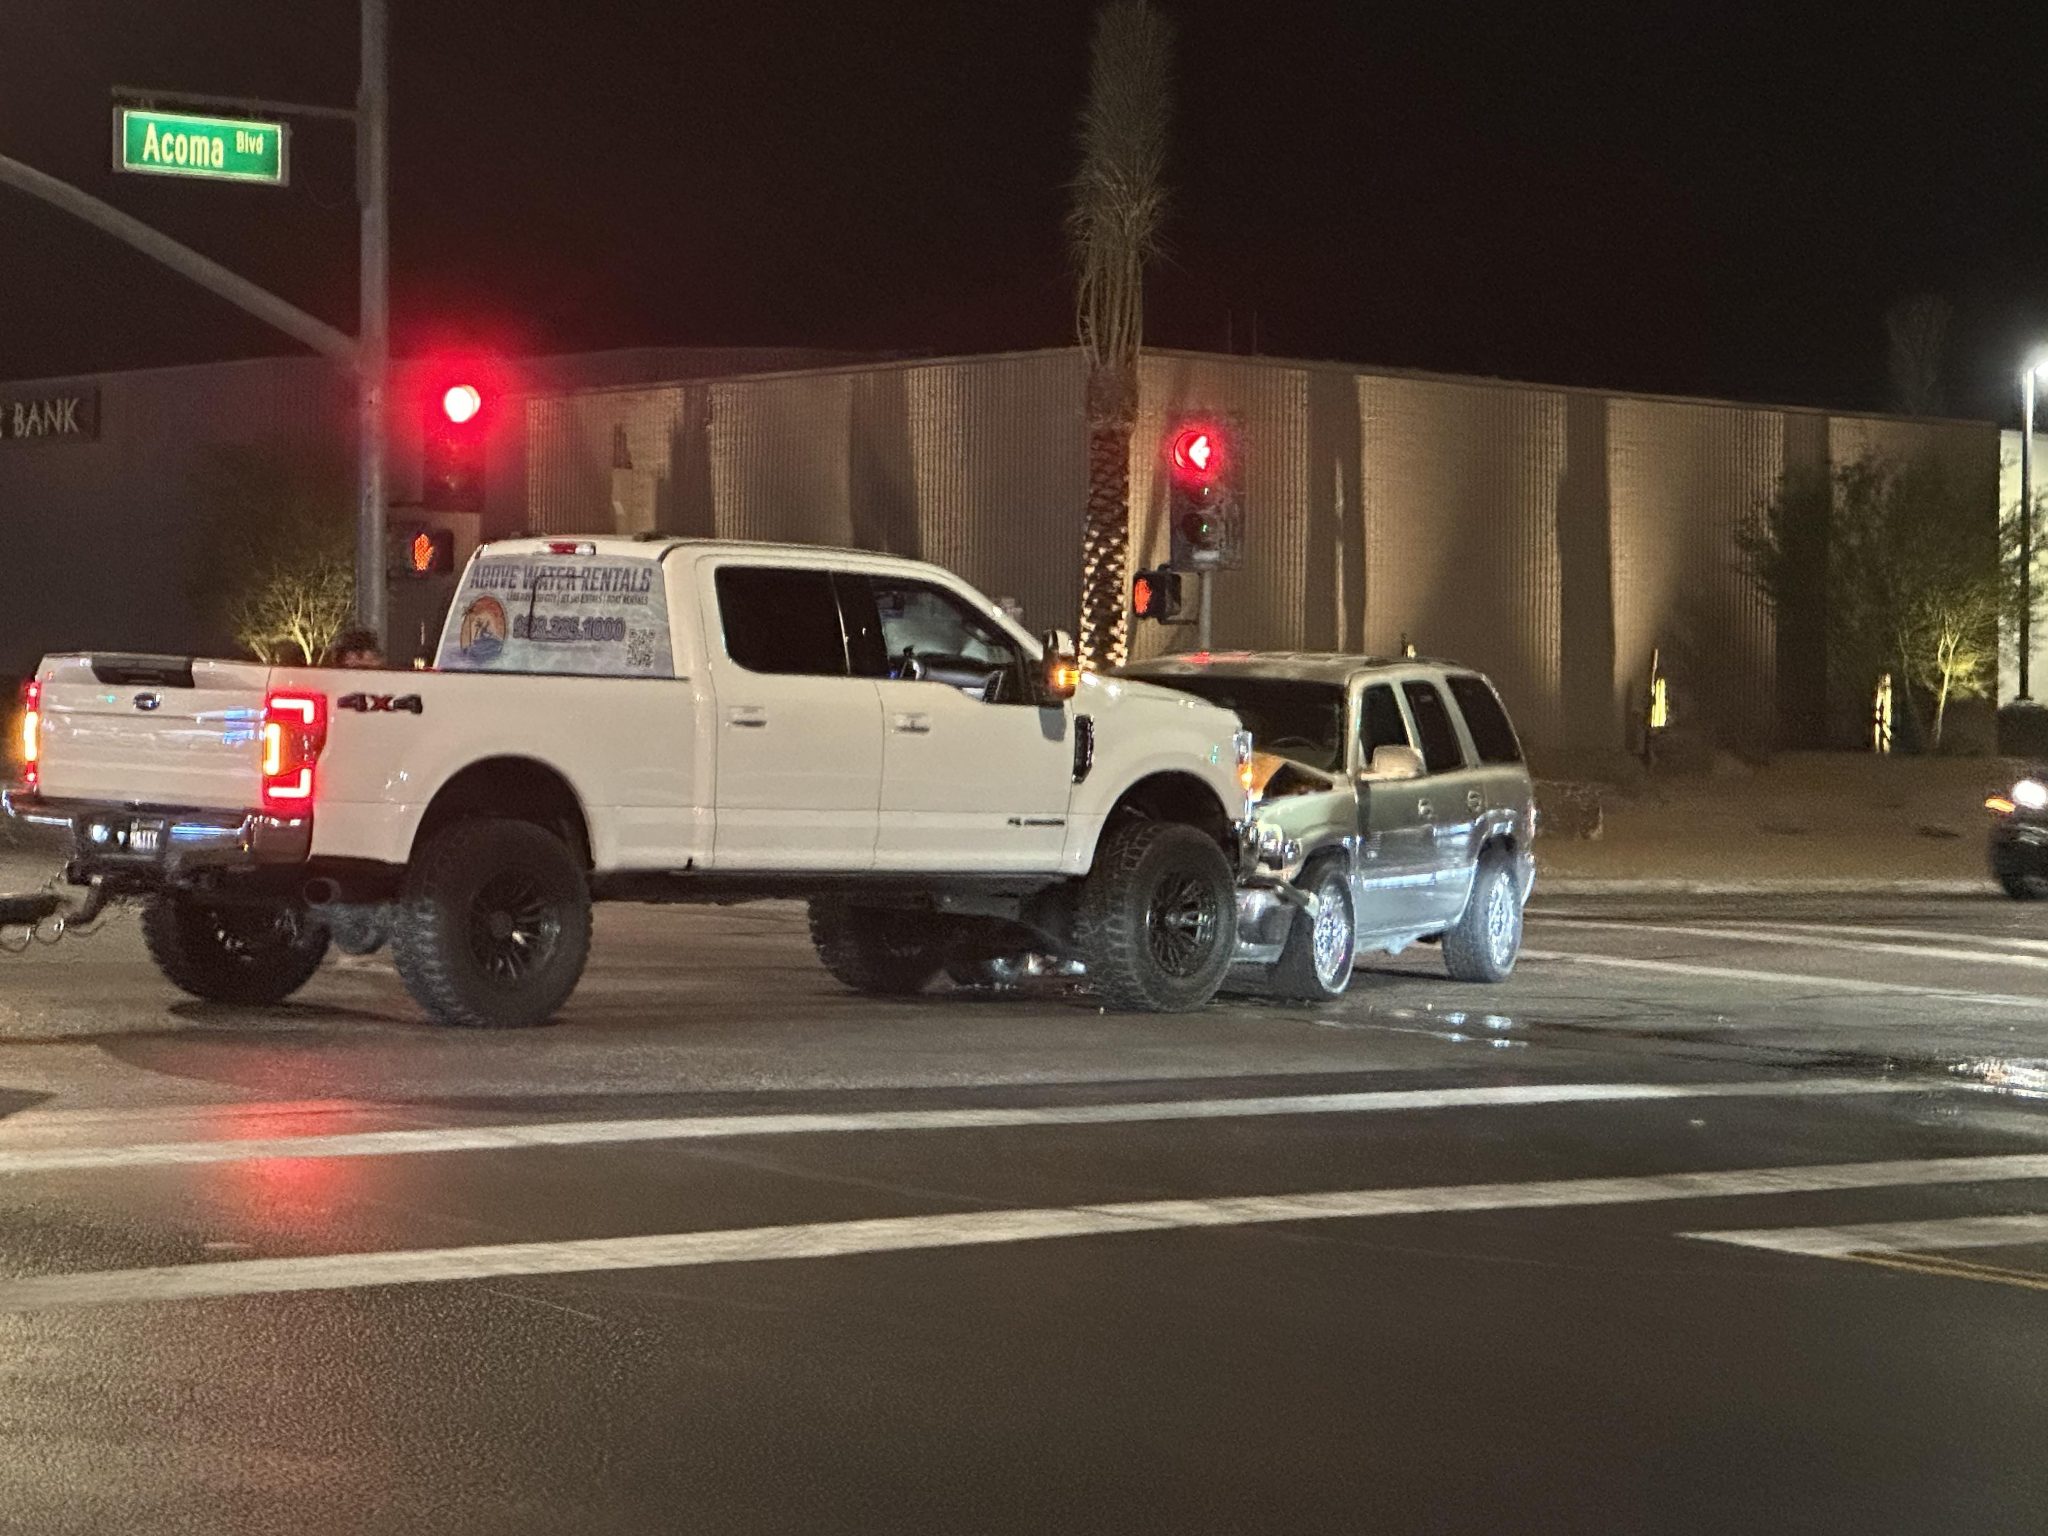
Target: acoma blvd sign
212 148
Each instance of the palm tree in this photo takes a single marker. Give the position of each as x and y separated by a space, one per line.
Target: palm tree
1119 203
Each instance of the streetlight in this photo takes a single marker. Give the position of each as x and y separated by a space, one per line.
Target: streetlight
2036 367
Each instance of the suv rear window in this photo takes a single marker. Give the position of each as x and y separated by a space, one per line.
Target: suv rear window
576 615
780 619
1440 750
1486 720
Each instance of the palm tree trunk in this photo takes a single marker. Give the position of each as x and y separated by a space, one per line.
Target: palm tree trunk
1106 531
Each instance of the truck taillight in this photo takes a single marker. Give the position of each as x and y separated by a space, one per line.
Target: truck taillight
294 731
31 733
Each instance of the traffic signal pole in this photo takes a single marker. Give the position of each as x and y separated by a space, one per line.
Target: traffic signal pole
1204 612
373 363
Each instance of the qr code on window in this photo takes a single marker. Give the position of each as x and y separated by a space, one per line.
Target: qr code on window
640 648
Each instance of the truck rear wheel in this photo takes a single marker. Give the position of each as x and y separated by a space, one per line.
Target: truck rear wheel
882 951
232 953
1157 919
493 926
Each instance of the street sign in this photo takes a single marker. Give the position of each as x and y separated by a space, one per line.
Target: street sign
212 148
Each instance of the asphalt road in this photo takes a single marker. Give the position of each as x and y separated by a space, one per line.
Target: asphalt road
1718 1215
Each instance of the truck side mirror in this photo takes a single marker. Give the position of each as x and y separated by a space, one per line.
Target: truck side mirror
1395 763
1062 675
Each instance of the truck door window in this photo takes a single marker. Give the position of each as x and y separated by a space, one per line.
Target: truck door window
1485 719
930 635
1380 723
780 619
1440 750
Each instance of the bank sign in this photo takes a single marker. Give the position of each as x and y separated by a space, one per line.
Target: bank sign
62 416
212 148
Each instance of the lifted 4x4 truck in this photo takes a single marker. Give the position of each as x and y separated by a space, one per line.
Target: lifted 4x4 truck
658 721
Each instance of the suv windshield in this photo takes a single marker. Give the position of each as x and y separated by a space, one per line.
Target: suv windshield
1302 721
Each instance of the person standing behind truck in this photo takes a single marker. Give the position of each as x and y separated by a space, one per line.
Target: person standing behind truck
355 648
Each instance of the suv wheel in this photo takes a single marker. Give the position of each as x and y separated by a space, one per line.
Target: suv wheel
1157 918
881 951
1315 966
493 926
1484 942
232 953
2016 876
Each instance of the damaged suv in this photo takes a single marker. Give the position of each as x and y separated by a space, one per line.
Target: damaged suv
1393 806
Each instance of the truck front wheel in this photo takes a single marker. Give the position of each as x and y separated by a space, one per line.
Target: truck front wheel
493 925
1157 919
232 953
881 951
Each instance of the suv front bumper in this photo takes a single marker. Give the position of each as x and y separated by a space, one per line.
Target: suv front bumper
159 844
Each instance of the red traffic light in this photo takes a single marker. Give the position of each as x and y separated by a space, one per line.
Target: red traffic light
1197 454
461 402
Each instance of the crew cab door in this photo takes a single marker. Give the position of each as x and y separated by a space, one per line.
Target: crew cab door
976 772
798 755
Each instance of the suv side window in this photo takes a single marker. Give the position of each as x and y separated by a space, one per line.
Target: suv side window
1441 752
1379 722
781 619
1485 719
932 635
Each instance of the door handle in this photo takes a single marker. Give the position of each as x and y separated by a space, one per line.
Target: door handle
1425 810
911 725
749 716
1475 800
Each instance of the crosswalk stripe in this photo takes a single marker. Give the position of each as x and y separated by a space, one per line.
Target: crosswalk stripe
1808 981
1810 940
1889 1236
840 1239
1877 931
484 1138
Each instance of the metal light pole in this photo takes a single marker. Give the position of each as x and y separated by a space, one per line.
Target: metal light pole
373 361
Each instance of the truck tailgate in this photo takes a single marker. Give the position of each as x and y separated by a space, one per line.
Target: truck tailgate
153 730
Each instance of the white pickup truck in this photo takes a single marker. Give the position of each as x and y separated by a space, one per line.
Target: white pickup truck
664 721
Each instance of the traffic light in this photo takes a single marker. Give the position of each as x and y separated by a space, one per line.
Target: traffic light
452 449
418 549
1205 510
1155 595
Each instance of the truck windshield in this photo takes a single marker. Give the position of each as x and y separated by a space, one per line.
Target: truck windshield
584 615
1302 721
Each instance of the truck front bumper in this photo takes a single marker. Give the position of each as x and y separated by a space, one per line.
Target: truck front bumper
159 844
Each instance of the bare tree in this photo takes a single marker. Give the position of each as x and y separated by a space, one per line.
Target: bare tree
292 613
1949 635
1118 207
273 548
1918 332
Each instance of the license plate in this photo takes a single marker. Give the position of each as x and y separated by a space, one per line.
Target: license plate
146 838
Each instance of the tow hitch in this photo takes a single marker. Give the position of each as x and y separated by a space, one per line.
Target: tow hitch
48 916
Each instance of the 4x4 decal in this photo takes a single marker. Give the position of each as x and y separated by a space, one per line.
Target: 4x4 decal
382 704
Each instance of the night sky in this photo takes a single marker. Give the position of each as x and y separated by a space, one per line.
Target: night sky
1687 198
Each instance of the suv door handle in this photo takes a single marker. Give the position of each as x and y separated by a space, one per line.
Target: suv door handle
751 716
1425 810
1475 799
911 725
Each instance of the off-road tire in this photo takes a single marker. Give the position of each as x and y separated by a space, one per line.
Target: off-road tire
233 953
1300 975
879 951
492 927
1156 923
1483 943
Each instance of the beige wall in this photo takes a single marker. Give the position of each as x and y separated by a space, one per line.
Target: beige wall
1552 537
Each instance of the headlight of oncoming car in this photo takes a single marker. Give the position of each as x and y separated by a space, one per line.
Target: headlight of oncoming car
2030 795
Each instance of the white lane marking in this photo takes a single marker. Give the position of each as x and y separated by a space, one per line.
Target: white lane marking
1889 1236
1813 941
1876 931
578 1133
1802 979
899 1234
